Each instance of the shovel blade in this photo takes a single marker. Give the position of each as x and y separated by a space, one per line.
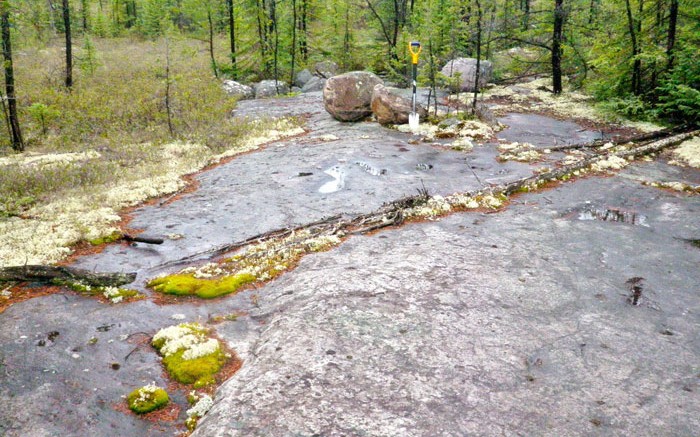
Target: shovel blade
413 121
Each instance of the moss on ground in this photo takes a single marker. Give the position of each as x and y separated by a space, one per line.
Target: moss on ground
200 372
188 285
189 355
146 399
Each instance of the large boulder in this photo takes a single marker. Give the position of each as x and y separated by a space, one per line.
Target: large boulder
466 69
239 90
347 97
326 69
314 84
302 78
270 88
391 108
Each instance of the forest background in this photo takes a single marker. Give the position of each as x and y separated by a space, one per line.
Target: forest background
106 75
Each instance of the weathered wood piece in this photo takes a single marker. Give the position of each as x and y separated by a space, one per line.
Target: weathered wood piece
52 274
639 139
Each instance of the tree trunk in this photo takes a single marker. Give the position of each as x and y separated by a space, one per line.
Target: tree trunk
303 48
69 45
232 37
637 63
16 133
211 46
85 12
556 45
671 41
526 14
294 41
477 74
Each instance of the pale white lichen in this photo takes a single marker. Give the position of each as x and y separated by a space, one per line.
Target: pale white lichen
675 185
536 95
522 152
688 153
611 163
46 231
189 338
203 405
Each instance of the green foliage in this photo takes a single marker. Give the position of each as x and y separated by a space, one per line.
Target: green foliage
88 60
146 399
629 106
679 102
43 115
188 285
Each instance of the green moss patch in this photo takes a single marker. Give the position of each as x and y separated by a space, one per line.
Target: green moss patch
146 399
257 263
111 238
189 355
188 284
199 371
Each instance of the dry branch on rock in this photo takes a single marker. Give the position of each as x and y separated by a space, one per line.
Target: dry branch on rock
52 274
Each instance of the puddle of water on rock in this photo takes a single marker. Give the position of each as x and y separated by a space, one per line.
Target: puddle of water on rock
338 182
612 215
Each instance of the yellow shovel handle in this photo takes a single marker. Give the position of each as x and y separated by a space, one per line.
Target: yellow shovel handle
414 53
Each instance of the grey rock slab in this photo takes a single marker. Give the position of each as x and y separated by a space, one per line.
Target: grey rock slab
67 361
263 191
544 132
514 323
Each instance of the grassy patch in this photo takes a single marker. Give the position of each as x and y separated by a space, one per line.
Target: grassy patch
106 144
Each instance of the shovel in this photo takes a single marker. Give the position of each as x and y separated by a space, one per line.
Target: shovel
413 118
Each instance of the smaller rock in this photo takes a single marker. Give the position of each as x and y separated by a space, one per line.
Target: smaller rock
391 108
270 88
314 84
326 69
302 78
236 89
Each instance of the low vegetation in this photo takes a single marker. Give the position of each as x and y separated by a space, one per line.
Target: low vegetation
146 399
189 355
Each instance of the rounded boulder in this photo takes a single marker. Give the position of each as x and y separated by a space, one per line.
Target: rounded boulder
348 97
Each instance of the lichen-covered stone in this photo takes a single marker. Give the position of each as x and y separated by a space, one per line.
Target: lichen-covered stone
270 88
466 69
239 90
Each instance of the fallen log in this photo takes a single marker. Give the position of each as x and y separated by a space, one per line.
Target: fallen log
56 274
639 139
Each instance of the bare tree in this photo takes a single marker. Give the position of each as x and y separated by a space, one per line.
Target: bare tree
16 133
69 46
232 36
556 45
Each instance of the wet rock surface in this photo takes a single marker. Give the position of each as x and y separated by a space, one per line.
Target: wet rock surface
516 322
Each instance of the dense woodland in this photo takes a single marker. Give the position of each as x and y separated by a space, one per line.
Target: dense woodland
64 59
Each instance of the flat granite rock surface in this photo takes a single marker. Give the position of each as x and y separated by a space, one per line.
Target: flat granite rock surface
516 322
